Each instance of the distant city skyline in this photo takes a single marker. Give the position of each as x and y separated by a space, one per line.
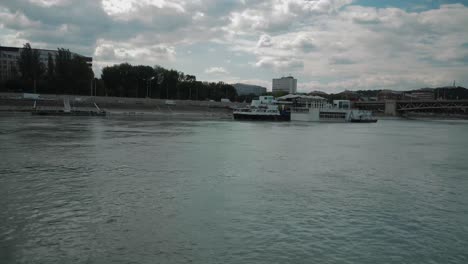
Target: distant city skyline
327 45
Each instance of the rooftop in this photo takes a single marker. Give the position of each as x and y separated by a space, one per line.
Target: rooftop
299 96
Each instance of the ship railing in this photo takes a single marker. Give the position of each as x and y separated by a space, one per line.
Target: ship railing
242 110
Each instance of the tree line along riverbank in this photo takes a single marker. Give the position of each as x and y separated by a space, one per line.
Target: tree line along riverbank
70 73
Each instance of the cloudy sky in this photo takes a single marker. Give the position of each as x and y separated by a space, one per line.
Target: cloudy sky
328 45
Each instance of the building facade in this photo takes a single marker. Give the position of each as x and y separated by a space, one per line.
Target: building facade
389 95
285 84
9 61
420 95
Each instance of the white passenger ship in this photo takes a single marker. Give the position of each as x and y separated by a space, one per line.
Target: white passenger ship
317 109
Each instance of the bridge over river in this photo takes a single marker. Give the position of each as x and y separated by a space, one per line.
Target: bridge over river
394 108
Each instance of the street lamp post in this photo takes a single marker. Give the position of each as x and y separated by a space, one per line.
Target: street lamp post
160 81
148 86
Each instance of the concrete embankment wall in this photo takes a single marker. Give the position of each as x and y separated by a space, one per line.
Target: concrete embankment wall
118 105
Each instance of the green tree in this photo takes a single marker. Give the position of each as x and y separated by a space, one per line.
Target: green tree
143 76
63 64
171 80
158 82
127 80
191 79
50 67
73 73
111 79
81 75
51 84
30 65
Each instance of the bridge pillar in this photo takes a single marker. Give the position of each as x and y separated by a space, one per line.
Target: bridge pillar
391 107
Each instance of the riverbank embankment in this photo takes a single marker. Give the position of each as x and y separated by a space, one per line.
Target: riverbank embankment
15 102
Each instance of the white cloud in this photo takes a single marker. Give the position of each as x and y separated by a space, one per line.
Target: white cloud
302 43
280 63
111 52
124 8
264 41
48 3
12 39
16 20
280 15
216 70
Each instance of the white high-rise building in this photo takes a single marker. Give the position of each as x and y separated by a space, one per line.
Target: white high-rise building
285 84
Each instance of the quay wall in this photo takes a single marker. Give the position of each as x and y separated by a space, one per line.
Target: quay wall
15 102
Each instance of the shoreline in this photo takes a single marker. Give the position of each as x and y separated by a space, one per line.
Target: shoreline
158 108
120 106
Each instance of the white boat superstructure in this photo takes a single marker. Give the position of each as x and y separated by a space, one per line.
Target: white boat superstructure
317 109
265 108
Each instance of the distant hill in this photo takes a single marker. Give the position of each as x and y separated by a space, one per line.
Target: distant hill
318 93
448 92
451 93
368 93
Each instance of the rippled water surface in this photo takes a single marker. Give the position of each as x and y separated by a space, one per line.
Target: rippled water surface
122 190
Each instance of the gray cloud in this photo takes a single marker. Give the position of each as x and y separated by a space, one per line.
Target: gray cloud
280 64
264 41
317 40
343 61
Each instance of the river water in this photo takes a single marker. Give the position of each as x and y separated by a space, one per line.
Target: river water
127 190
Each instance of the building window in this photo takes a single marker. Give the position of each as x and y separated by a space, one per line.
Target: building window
328 115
